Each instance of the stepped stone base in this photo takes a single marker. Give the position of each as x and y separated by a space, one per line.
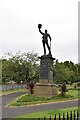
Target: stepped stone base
45 89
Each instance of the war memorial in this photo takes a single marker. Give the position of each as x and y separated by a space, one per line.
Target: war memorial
45 87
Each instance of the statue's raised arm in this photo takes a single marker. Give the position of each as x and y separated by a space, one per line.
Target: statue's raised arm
39 27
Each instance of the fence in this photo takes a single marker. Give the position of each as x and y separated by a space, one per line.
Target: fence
13 87
70 116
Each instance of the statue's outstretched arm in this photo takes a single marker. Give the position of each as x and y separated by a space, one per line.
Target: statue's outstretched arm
41 32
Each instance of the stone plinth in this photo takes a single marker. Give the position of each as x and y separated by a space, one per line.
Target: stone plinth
45 86
45 90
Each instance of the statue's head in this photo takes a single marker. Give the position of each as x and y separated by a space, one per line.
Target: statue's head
45 31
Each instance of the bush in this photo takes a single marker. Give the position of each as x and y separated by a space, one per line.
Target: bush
63 89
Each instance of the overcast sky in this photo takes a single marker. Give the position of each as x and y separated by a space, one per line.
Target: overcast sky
19 21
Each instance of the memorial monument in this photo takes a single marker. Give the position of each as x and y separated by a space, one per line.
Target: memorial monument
45 87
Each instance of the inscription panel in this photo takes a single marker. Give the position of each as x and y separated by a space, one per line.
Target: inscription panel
46 69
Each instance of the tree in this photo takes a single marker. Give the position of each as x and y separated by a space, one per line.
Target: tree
64 72
61 73
78 73
14 66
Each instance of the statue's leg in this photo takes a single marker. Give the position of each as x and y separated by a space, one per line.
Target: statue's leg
44 47
48 47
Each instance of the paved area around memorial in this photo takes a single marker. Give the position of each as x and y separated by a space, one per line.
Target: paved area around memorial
13 112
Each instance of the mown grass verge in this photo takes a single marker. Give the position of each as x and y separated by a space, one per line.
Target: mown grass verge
27 99
49 113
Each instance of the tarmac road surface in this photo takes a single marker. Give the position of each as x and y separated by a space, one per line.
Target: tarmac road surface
13 112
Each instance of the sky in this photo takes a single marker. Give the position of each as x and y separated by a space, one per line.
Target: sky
19 21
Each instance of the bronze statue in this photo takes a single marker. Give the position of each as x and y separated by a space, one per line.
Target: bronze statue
45 39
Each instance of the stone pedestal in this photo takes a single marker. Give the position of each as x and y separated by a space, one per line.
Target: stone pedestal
45 86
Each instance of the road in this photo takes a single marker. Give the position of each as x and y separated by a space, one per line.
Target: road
13 112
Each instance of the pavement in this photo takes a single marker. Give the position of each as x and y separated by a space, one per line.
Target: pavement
8 112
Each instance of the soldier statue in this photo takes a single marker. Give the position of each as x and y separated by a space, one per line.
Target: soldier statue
45 39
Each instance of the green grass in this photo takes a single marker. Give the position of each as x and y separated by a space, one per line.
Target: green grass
71 87
47 114
28 99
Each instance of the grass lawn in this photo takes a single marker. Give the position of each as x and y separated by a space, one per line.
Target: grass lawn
47 114
28 99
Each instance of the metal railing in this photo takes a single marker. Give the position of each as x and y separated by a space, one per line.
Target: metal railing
73 115
13 87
